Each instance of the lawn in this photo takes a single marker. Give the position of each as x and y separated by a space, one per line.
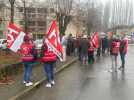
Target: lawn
8 58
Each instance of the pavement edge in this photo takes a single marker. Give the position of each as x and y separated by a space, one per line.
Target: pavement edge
19 95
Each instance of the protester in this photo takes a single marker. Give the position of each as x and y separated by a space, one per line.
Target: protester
104 45
90 52
123 51
99 48
70 45
28 59
114 53
64 45
76 46
49 60
84 50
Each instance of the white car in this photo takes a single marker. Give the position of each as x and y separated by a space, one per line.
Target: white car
2 43
38 43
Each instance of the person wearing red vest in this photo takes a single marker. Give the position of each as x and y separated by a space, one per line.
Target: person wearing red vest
27 58
49 59
114 53
91 53
123 51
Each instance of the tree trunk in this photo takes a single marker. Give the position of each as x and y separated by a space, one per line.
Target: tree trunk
63 22
25 18
12 10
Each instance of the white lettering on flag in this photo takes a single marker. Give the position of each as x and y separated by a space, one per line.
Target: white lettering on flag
53 41
14 37
17 43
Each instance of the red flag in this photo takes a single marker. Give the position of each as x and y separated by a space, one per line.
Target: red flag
95 40
53 40
14 37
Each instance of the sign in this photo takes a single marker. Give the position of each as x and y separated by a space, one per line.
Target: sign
14 37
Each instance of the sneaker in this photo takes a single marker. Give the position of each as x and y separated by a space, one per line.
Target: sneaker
53 82
110 70
48 85
24 82
122 69
29 84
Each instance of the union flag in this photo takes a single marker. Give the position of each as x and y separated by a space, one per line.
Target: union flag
14 37
53 40
95 40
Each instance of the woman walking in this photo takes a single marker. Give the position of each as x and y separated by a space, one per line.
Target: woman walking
28 59
49 60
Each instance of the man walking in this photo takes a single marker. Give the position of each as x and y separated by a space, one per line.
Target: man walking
114 53
123 51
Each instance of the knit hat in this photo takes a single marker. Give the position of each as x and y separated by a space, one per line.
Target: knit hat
26 38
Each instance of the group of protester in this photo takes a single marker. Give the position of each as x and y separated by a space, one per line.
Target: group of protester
81 46
113 46
118 46
29 55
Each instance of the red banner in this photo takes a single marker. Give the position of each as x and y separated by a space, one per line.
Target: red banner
14 37
95 40
53 40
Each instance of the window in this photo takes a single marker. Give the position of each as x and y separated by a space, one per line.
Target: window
21 22
41 23
31 10
20 9
31 23
51 10
42 10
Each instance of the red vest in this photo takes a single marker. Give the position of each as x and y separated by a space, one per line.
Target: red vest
115 47
126 45
26 52
49 56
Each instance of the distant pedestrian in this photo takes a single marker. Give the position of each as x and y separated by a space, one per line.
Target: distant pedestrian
104 45
76 46
99 49
114 53
28 59
84 50
64 45
91 52
123 51
70 45
49 60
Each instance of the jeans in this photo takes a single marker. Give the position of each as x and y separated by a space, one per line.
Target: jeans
91 58
84 58
28 71
122 55
114 62
49 69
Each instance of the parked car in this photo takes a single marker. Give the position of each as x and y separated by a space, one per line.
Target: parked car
38 43
3 43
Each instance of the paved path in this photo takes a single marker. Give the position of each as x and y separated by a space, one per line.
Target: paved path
90 82
8 91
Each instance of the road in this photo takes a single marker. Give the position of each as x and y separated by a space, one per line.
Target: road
90 82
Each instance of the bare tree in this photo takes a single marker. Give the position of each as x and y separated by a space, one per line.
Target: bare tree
12 9
93 17
25 5
62 9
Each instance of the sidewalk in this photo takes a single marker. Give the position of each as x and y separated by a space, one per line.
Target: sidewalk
18 89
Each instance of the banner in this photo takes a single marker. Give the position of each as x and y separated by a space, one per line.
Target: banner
95 40
14 37
53 40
